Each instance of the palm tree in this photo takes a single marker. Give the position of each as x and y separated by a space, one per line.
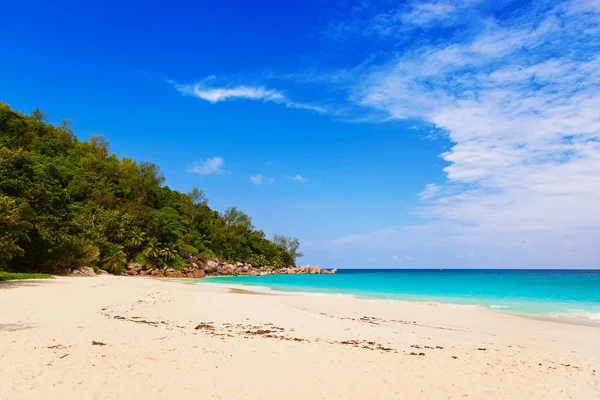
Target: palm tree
167 253
137 237
152 250
114 262
118 233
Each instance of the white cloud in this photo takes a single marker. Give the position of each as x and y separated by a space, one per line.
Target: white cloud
423 13
218 94
298 178
257 179
430 191
210 166
583 6
377 19
394 257
243 92
519 101
260 179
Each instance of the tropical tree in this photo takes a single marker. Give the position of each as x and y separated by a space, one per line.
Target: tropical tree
38 115
115 261
290 245
191 204
152 250
137 237
12 228
167 253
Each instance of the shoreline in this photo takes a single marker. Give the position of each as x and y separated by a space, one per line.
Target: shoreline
266 290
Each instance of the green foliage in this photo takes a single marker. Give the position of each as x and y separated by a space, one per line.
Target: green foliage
191 204
115 261
152 253
257 260
165 225
177 262
189 250
167 253
140 259
278 262
289 244
12 228
66 203
137 237
10 276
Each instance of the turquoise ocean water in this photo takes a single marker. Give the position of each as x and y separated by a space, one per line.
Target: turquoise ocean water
567 293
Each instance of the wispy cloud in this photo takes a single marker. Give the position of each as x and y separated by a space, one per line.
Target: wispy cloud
424 13
210 166
257 179
203 90
260 179
298 178
240 92
389 20
430 191
361 239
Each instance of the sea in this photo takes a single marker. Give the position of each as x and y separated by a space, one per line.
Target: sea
551 293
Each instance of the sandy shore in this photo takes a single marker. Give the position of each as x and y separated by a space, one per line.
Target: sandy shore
171 340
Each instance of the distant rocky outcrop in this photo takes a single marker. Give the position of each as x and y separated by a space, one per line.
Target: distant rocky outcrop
202 266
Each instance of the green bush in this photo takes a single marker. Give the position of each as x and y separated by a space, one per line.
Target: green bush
178 263
140 259
207 254
188 249
115 261
258 261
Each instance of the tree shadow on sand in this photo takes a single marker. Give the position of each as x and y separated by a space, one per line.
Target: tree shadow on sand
24 283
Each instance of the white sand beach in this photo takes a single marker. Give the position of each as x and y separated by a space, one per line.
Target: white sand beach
158 339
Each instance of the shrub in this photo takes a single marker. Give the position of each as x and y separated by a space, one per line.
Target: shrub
258 261
178 263
140 259
115 261
186 249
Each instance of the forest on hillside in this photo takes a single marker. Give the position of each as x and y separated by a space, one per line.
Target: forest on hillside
67 203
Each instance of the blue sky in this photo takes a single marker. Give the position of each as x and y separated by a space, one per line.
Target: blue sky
417 134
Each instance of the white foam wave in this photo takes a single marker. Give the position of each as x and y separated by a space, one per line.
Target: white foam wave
498 306
268 290
464 306
253 288
593 316
454 305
